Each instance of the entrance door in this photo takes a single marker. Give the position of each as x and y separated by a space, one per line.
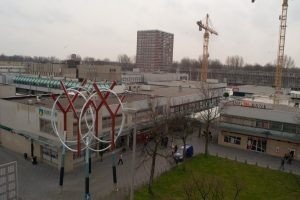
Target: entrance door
257 144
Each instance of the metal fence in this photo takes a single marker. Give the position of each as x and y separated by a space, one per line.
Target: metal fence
9 181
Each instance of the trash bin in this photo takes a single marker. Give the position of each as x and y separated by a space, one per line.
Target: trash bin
189 151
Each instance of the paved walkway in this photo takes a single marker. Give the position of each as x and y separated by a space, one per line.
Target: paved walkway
41 181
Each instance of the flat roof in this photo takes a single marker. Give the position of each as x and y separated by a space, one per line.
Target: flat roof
167 91
47 101
255 89
188 84
176 88
279 113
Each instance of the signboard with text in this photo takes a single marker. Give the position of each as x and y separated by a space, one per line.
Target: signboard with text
251 104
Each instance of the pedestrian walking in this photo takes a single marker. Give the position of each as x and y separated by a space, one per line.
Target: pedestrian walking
281 164
120 159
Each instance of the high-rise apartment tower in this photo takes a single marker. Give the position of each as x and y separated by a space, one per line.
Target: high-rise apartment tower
154 50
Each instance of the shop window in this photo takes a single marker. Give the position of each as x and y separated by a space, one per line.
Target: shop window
290 128
276 126
298 130
232 139
262 124
50 154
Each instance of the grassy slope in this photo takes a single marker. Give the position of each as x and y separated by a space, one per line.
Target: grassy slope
260 183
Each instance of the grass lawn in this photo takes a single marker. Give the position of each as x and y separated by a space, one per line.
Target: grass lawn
257 183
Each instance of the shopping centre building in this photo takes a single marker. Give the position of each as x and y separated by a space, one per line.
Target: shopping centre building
25 121
261 127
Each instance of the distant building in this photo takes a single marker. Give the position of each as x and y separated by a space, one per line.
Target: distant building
242 76
154 50
137 77
99 72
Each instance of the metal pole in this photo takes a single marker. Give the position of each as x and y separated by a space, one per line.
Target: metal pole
133 160
114 170
87 173
62 164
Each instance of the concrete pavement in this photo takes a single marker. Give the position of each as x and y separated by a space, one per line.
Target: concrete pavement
41 181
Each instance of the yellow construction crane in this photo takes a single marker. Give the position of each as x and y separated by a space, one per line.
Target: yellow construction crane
280 53
208 30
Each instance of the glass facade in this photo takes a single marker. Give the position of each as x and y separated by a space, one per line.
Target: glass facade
52 83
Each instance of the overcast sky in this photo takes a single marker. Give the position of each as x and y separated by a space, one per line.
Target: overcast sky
105 29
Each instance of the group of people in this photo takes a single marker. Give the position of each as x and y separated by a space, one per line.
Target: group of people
288 157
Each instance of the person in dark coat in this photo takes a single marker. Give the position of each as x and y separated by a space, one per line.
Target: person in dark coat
120 159
282 164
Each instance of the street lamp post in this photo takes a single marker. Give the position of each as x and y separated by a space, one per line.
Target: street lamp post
133 112
133 159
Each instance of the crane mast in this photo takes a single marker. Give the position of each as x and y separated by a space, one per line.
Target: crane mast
280 54
208 30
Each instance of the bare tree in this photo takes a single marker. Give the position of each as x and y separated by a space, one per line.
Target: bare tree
205 187
106 60
181 126
235 61
211 112
288 62
190 66
158 132
89 60
125 62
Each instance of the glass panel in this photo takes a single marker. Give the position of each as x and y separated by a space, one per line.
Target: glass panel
290 128
276 126
77 84
39 82
47 82
34 81
56 84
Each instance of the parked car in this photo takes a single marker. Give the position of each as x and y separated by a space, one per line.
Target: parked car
189 151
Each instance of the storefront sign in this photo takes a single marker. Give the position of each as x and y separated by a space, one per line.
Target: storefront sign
249 104
45 112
